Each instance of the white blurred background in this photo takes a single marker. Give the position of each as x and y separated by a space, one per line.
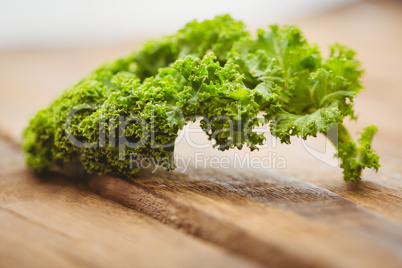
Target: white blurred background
49 23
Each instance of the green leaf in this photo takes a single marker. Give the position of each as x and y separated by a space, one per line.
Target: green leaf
133 107
356 157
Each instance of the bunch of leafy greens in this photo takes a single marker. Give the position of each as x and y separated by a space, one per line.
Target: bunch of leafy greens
135 106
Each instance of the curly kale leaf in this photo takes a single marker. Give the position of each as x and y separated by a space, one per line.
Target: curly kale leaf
229 108
134 106
357 156
196 38
314 93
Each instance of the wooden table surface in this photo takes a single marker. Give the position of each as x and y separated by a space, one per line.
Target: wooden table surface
303 215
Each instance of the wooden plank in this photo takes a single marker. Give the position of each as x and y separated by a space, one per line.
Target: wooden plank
267 219
305 222
58 222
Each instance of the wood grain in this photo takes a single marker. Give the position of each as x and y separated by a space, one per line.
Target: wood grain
262 210
301 216
57 221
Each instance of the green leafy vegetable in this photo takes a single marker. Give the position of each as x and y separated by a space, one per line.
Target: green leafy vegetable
135 106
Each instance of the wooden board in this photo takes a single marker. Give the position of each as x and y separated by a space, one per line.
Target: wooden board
303 216
56 222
